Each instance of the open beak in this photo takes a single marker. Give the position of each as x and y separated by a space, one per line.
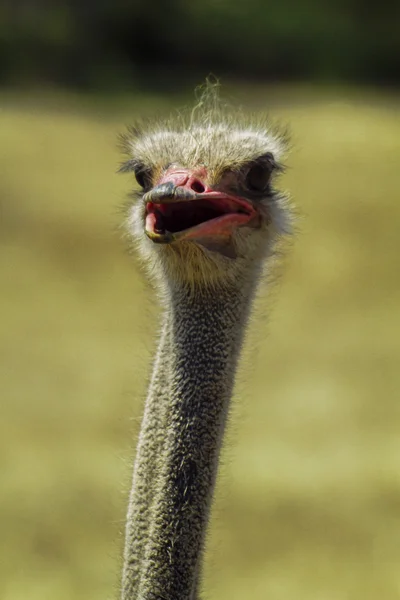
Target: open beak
181 206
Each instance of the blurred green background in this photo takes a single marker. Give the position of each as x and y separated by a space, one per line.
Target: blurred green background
308 499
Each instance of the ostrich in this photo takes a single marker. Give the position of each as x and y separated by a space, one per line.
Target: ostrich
207 221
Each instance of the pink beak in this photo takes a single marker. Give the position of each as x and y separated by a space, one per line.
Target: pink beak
183 206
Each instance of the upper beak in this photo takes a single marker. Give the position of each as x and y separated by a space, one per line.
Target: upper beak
178 184
167 192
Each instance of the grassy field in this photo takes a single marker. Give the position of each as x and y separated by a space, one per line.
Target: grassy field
308 501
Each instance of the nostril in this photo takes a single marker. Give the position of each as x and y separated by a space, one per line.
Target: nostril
197 187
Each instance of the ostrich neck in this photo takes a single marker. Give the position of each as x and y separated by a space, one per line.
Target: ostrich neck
206 331
148 462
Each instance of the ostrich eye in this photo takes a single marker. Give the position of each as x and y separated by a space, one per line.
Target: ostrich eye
143 177
259 174
258 177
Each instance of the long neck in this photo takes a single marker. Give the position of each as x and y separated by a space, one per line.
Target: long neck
147 464
206 331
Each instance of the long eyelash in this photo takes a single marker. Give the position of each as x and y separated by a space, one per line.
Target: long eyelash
133 165
126 167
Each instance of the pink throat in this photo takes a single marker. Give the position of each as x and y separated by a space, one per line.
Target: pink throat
214 214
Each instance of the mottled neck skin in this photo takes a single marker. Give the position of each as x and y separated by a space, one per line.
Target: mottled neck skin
180 440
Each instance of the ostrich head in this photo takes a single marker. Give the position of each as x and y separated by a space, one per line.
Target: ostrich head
207 207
